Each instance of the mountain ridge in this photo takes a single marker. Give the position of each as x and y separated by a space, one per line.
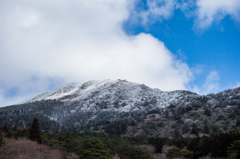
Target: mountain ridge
75 91
126 108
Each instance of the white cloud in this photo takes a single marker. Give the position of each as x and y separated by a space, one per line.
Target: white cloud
205 12
159 8
209 11
47 41
237 85
4 101
181 55
211 84
198 69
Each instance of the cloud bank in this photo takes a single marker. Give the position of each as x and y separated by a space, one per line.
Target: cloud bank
47 43
205 12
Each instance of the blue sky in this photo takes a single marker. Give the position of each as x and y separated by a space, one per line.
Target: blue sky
166 44
213 49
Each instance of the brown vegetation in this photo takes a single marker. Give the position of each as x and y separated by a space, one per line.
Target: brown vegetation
150 148
116 157
72 156
26 149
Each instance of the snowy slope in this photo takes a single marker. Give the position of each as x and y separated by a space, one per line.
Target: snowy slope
58 93
128 95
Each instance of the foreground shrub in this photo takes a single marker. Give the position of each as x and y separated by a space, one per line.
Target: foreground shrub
178 153
93 148
132 152
174 153
186 154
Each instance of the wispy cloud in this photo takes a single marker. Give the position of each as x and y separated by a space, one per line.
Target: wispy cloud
158 10
205 12
198 69
209 11
181 55
237 85
210 85
211 82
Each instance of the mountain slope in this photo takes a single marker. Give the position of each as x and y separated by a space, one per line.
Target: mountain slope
129 95
125 108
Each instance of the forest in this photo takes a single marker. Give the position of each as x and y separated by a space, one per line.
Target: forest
89 145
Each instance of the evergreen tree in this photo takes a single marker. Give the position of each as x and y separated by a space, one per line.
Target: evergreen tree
93 148
186 154
177 134
174 153
158 144
195 130
220 142
192 145
203 147
35 132
180 142
233 151
1 139
5 128
132 152
139 153
238 122
206 128
185 128
207 112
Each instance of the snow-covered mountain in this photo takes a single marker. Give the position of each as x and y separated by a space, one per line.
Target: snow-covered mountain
121 107
129 96
58 93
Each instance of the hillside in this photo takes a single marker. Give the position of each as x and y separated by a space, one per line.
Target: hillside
126 108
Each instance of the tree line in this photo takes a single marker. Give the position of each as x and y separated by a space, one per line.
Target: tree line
94 145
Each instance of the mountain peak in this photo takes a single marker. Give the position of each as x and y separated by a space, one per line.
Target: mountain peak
74 89
130 96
